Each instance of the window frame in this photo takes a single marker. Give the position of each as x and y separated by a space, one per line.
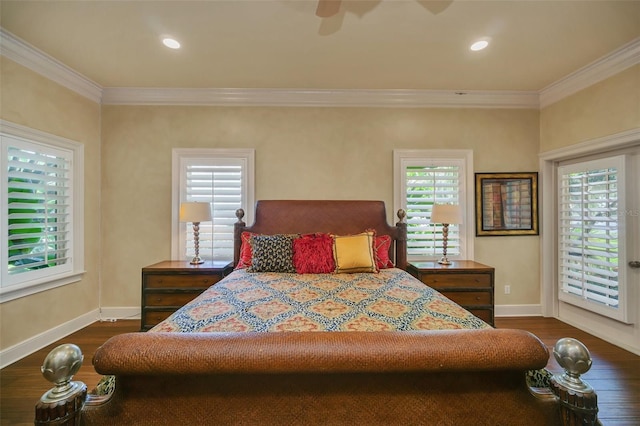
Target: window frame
56 277
178 195
426 157
621 163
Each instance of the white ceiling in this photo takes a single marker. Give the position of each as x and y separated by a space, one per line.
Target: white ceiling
389 44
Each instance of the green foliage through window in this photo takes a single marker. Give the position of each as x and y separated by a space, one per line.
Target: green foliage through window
36 219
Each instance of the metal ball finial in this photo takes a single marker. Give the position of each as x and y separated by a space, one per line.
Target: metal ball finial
59 368
575 358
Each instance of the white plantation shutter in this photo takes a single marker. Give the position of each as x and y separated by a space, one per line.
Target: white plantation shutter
221 186
424 178
590 235
426 186
38 200
222 178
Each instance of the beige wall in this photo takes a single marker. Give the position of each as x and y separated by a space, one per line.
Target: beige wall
605 108
321 153
36 102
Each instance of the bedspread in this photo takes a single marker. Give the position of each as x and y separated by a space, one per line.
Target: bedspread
386 301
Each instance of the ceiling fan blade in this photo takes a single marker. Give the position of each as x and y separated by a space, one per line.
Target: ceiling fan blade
328 8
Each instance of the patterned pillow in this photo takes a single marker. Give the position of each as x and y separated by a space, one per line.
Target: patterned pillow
354 253
272 253
246 253
381 250
313 254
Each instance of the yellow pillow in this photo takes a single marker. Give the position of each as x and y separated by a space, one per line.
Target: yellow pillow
354 253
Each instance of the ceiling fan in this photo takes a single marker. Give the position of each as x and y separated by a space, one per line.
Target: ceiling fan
327 8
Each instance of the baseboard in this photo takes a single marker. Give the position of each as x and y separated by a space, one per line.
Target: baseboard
620 341
518 310
119 313
17 352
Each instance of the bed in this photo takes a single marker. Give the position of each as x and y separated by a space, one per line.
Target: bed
289 338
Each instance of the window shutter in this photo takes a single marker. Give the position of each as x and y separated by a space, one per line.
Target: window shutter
425 186
39 212
219 182
589 237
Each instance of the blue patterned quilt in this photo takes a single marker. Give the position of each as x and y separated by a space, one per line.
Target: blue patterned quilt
386 301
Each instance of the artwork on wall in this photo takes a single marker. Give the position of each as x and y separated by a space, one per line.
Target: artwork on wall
506 204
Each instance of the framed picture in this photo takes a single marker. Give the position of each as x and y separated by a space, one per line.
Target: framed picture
506 204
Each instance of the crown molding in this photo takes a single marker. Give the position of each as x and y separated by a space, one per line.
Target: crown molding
19 51
320 98
601 69
29 56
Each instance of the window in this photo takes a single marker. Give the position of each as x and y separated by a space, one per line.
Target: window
591 238
41 229
222 177
423 178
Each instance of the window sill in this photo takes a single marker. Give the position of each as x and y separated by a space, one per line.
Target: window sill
33 287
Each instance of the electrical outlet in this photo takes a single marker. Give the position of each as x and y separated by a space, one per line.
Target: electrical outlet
507 289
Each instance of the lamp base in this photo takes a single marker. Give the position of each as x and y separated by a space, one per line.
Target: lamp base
196 261
444 261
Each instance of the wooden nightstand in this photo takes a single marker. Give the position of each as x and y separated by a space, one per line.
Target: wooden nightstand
169 285
470 284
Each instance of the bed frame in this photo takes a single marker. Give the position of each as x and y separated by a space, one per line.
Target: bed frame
451 377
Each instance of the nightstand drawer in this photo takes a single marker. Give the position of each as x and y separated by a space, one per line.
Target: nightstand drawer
469 297
485 315
154 317
181 281
457 280
169 299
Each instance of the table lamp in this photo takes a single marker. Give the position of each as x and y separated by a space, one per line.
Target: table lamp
446 214
195 212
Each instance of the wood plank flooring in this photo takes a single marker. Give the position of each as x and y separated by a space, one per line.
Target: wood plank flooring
615 373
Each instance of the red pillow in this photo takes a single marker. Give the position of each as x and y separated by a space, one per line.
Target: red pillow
246 252
381 247
313 254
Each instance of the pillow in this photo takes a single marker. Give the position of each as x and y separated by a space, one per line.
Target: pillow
272 253
354 253
313 254
245 251
381 247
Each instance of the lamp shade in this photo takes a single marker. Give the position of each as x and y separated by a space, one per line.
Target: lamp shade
446 213
195 212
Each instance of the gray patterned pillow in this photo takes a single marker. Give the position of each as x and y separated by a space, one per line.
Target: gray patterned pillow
272 253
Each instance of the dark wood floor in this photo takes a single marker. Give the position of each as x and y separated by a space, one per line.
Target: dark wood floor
615 373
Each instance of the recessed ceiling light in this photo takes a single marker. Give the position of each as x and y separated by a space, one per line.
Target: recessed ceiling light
171 43
479 45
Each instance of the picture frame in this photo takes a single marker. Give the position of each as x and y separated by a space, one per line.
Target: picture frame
506 204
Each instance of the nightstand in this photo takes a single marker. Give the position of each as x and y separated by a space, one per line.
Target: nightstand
470 284
169 285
